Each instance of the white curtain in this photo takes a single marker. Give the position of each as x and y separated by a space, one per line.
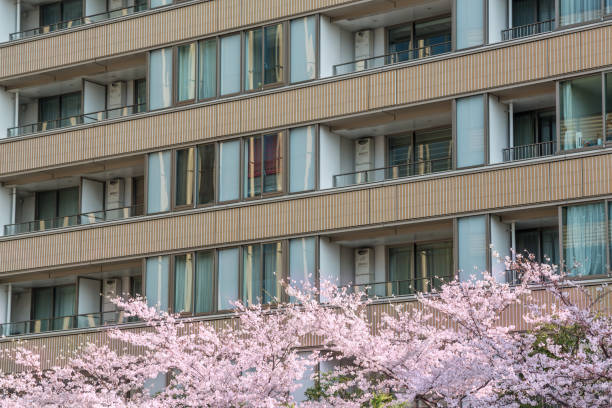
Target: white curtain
160 78
302 159
183 283
204 281
229 170
228 278
470 131
230 64
158 182
470 23
302 267
472 243
303 49
156 281
576 11
585 239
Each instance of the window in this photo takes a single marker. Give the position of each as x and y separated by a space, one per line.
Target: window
156 281
57 208
581 113
400 42
420 267
432 37
230 64
183 283
53 308
578 11
609 103
470 131
470 23
431 153
206 174
207 69
159 3
302 261
303 49
68 12
302 159
608 7
542 242
263 57
228 273
160 78
185 177
186 75
472 246
204 283
229 170
532 128
262 273
158 182
584 239
60 110
526 12
140 95
263 165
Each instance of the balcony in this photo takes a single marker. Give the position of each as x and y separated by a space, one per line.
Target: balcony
528 30
409 287
37 19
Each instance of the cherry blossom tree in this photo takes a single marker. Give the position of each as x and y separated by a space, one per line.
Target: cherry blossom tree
456 347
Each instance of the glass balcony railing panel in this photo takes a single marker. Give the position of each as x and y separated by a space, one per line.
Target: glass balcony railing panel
529 151
393 172
528 29
393 58
64 25
93 217
92 117
403 287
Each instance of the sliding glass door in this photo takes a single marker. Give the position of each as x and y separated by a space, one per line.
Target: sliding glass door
578 11
584 239
581 113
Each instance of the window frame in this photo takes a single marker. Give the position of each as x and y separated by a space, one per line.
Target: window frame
285 49
175 73
283 135
317 18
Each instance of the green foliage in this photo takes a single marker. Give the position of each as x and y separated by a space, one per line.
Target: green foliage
568 337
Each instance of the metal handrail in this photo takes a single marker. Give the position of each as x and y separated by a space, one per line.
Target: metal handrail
80 321
529 151
528 29
67 24
392 58
401 287
91 117
409 169
93 217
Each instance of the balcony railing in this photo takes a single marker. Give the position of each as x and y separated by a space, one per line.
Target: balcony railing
82 321
528 29
529 151
393 172
402 287
71 220
393 58
64 25
76 120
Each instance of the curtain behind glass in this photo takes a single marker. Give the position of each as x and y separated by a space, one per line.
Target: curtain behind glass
50 14
158 182
206 174
65 297
433 151
581 113
185 173
472 244
204 283
434 265
274 55
186 80
470 23
432 37
401 270
160 78
584 239
577 11
68 206
46 203
72 10
251 274
399 43
252 166
470 131
159 3
302 262
609 99
207 69
229 170
273 162
273 272
228 278
302 159
156 281
230 64
608 7
304 49
399 156
70 105
49 108
42 304
524 129
523 12
183 283
550 246
253 59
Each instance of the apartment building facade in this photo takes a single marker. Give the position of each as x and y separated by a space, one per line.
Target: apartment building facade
199 152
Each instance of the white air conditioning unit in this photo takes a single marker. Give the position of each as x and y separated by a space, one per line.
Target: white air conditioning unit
115 193
364 266
364 48
364 158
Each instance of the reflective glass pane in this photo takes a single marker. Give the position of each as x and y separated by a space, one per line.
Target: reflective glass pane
204 282
230 64
185 173
156 281
252 166
581 113
50 14
433 151
49 108
70 105
303 49
183 283
434 265
432 37
253 55
206 174
229 170
400 43
72 10
273 162
401 270
251 274
399 156
208 69
584 239
302 159
228 277
160 78
158 182
65 298
470 131
159 3
472 244
609 104
274 54
302 261
470 23
272 273
577 11
186 75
